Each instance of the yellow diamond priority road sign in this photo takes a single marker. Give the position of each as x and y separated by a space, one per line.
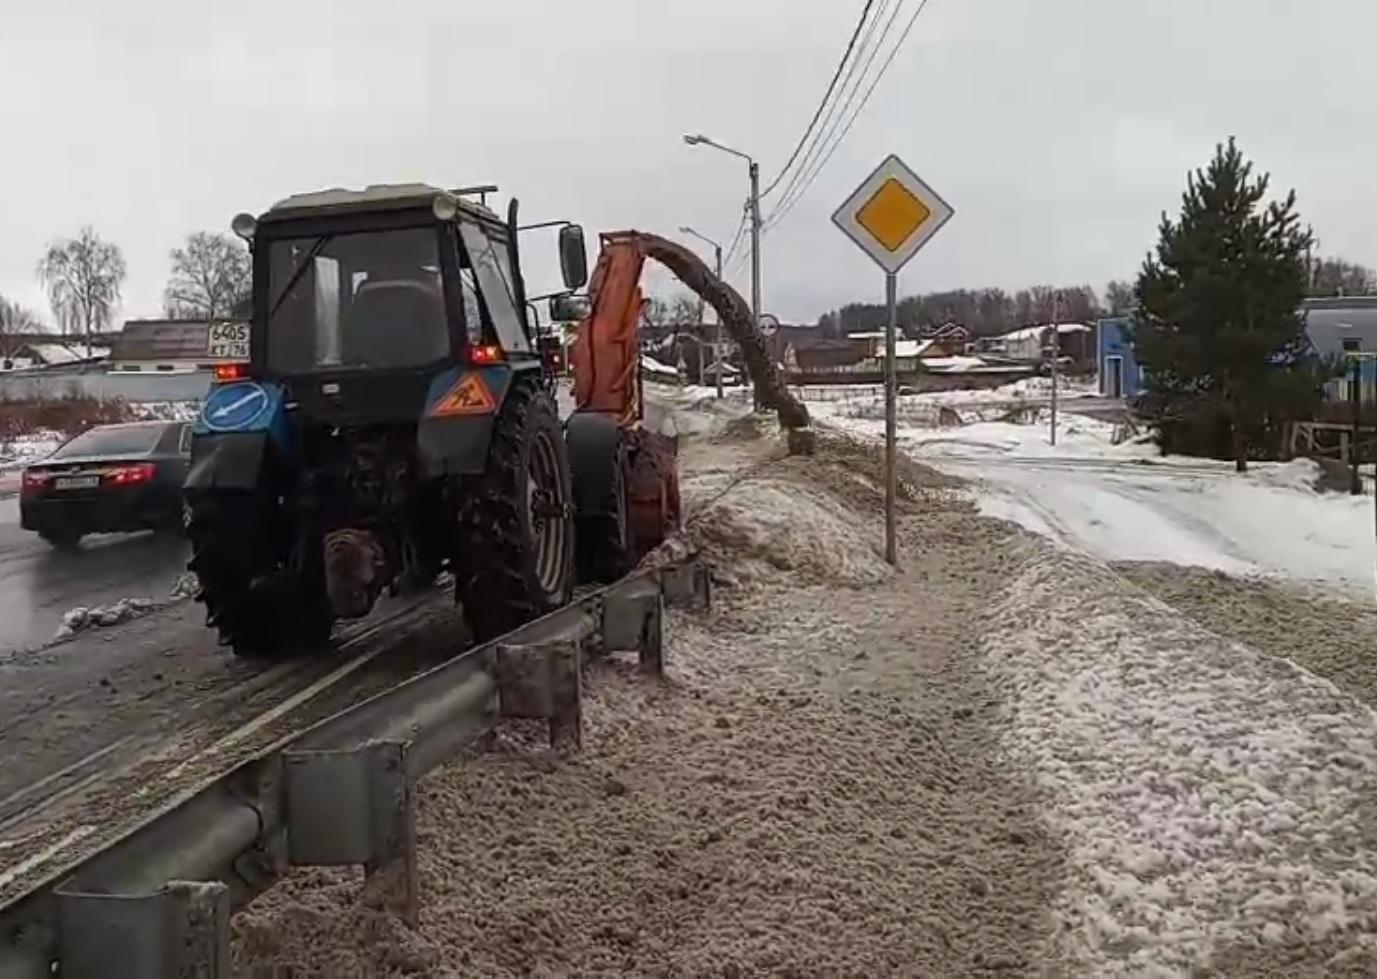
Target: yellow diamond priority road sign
892 214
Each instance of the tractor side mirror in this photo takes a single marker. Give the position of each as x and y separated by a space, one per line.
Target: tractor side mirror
569 309
573 257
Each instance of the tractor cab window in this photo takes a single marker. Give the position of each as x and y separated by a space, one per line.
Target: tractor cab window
370 299
492 268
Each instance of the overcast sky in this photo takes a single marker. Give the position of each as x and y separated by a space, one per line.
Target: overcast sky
1059 129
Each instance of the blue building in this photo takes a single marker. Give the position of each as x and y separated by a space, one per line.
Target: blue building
1120 375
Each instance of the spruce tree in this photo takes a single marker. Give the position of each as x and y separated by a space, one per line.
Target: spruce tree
1218 326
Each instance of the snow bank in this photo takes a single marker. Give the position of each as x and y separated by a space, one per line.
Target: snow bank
19 452
1211 798
765 526
172 411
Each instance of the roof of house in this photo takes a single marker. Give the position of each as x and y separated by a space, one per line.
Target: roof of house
1033 332
62 353
801 337
1328 322
162 341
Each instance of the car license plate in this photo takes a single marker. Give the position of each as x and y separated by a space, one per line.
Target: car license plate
229 341
76 482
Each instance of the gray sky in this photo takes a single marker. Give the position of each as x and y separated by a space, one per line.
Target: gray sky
1059 129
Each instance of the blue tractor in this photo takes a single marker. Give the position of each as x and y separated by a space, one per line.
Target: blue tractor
394 419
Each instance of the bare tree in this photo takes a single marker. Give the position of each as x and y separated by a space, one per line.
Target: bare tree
83 276
211 277
14 320
1119 297
1338 277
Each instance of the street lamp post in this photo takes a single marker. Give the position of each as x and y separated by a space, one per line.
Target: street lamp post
717 336
753 205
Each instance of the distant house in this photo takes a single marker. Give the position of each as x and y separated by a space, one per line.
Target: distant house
169 346
1344 325
822 356
1120 375
1026 344
1333 326
49 352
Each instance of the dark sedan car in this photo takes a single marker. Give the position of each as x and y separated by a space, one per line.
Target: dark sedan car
108 479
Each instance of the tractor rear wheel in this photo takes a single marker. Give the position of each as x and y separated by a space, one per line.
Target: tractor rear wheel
516 540
258 610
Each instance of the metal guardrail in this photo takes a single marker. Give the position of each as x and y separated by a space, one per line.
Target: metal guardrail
156 903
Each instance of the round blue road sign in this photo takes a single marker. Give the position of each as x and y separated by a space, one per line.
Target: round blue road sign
234 407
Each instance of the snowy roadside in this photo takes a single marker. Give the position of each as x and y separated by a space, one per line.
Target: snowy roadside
1215 801
814 789
1125 502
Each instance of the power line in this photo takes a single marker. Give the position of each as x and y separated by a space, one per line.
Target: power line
736 239
825 144
908 28
831 86
827 123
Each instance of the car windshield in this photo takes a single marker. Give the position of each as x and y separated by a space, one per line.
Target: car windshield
118 440
367 299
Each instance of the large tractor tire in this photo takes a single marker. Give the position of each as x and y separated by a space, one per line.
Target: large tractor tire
600 460
516 528
259 610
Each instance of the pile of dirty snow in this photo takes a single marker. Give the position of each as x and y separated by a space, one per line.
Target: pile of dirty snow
1215 801
766 524
82 617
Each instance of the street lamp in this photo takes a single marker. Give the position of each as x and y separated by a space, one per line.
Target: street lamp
717 339
698 139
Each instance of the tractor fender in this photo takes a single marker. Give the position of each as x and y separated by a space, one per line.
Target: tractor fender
233 460
240 423
462 405
596 449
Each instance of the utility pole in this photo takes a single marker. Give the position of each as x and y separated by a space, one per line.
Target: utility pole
755 262
753 209
1355 391
717 334
1056 356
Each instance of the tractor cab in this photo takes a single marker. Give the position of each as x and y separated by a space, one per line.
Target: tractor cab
362 297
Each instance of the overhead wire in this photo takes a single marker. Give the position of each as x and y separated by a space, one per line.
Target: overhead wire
778 215
827 123
831 87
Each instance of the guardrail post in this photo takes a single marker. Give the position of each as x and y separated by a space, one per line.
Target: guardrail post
178 931
633 619
688 585
543 681
354 807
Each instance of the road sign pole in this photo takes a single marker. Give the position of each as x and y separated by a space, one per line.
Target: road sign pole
890 216
891 395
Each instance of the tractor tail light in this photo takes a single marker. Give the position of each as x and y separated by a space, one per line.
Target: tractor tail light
485 354
231 372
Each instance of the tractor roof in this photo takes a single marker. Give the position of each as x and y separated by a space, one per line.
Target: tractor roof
374 197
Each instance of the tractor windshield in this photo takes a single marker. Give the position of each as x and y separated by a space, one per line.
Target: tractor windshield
369 299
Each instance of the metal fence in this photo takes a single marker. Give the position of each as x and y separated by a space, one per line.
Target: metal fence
155 902
86 381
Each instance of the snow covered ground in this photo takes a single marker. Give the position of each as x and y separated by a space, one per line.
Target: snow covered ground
1125 502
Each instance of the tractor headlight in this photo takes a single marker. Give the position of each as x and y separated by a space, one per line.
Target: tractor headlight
445 207
244 226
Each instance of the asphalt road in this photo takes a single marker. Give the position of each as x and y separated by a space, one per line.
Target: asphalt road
38 584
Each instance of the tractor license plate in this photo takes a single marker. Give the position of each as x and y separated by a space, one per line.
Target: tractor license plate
229 341
76 482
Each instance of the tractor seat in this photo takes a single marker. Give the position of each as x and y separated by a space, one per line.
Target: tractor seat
395 323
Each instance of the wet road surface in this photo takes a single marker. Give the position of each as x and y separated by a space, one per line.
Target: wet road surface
38 583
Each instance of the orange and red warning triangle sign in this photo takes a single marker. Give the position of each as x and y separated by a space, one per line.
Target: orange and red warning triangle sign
469 396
